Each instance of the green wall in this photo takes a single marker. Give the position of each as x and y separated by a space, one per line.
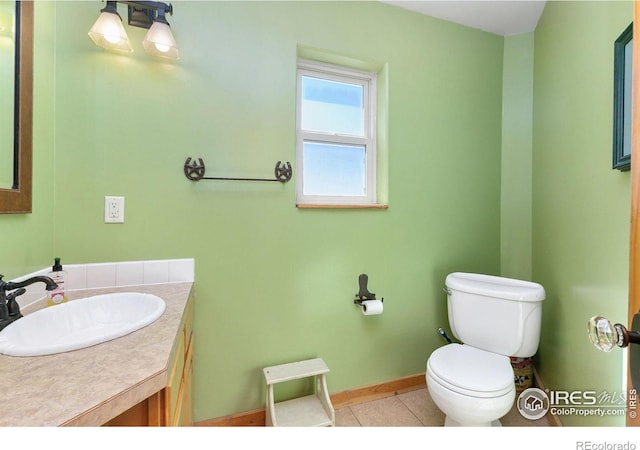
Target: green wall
274 283
580 205
516 181
27 240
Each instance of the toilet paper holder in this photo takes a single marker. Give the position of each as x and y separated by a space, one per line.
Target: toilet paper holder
364 294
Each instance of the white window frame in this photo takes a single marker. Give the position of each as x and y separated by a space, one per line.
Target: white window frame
346 75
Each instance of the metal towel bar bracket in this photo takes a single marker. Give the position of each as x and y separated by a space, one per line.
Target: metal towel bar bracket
194 170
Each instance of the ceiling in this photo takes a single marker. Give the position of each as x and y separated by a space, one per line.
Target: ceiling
503 17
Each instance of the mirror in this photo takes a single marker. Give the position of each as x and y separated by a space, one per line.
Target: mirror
7 74
17 92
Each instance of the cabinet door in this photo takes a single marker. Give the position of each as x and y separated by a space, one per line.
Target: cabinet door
172 391
187 388
182 414
179 390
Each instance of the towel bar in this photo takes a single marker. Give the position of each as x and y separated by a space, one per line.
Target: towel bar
194 171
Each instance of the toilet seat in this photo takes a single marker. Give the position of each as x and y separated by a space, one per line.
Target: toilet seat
470 371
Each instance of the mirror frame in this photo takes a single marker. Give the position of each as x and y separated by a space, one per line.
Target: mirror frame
622 101
18 199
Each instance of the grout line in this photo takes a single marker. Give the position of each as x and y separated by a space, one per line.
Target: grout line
409 409
417 418
355 416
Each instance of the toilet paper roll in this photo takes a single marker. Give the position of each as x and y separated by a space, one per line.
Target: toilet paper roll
371 307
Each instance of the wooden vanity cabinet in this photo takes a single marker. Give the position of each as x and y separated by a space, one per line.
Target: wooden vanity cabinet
173 405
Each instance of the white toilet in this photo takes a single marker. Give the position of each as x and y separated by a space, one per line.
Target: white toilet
494 318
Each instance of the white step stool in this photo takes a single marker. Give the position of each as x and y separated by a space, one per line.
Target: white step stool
313 410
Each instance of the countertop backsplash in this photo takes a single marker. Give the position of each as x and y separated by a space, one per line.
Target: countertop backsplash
116 274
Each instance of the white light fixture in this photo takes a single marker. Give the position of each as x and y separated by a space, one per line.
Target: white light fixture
159 40
108 32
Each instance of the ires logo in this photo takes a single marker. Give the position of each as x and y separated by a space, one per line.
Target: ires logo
574 398
534 403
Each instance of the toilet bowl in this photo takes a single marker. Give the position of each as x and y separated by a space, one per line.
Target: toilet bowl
472 383
472 387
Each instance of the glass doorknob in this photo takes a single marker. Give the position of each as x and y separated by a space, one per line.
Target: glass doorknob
605 335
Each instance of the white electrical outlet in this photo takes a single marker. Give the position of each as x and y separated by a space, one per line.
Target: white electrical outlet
113 209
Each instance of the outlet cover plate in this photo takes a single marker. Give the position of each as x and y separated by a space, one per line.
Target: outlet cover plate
113 209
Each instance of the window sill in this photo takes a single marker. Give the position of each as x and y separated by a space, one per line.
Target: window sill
318 206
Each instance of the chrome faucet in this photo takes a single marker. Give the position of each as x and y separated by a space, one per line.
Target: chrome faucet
9 308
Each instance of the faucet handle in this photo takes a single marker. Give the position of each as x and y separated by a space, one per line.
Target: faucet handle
15 293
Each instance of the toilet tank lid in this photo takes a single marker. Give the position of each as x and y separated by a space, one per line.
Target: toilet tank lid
493 286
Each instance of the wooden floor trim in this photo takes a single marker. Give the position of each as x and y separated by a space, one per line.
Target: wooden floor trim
377 391
256 417
554 420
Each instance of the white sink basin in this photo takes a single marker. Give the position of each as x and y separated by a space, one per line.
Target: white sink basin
80 323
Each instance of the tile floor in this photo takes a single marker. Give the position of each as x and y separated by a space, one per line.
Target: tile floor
410 409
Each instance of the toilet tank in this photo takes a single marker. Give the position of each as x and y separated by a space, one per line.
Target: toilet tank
500 315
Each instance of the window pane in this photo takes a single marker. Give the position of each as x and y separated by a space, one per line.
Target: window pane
332 107
334 169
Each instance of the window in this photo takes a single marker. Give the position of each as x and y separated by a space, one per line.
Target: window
336 140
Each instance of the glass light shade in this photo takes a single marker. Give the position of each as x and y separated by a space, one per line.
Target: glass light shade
159 42
108 32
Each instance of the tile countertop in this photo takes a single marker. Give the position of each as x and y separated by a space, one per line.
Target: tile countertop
89 387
